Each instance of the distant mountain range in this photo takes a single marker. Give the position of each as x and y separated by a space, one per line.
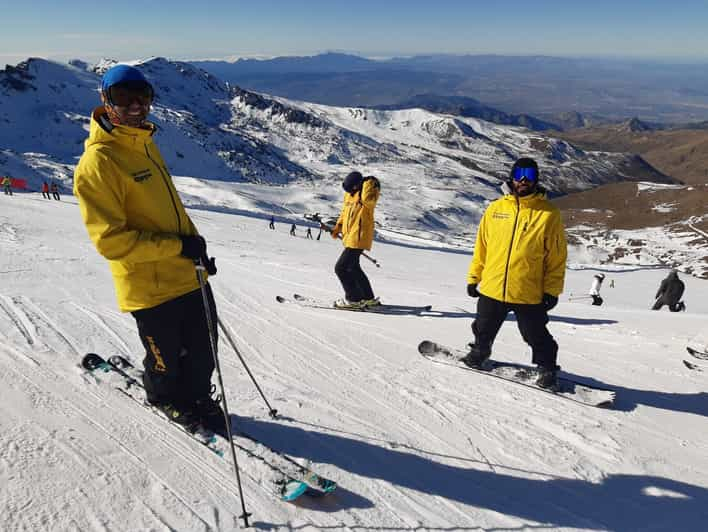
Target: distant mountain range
552 89
438 170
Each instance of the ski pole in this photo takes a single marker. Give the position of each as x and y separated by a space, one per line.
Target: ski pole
271 411
571 298
212 342
363 253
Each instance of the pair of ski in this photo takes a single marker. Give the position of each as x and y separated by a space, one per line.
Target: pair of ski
700 355
310 302
293 479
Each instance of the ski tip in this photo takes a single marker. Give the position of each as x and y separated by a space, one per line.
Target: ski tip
120 362
280 299
426 347
91 361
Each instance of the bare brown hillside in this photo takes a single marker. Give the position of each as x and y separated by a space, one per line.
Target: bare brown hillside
679 153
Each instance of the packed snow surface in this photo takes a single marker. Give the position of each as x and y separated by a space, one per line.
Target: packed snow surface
412 445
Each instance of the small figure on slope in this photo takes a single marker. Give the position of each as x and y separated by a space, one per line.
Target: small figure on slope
356 224
518 266
45 190
595 288
7 185
670 292
271 225
55 192
292 229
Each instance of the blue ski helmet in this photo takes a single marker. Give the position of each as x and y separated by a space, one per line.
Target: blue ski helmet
121 74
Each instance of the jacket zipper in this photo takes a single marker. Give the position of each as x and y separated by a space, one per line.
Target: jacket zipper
511 246
169 190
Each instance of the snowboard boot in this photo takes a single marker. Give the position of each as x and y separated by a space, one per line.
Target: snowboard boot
346 304
210 413
476 356
548 378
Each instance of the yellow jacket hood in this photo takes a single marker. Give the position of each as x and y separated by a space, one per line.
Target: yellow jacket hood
520 252
133 214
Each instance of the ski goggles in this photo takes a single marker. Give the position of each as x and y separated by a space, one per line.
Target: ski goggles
529 174
124 94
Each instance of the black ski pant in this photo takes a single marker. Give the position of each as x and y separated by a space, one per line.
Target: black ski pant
531 319
354 281
178 360
56 196
46 195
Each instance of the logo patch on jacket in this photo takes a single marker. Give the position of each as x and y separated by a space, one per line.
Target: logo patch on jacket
141 175
501 215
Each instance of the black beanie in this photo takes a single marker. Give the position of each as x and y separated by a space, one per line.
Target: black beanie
353 180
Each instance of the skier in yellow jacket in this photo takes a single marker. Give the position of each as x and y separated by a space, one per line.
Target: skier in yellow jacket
518 266
356 224
136 220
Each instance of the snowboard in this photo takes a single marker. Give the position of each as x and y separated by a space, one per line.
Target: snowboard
520 374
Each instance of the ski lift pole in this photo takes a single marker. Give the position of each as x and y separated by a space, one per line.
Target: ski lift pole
212 342
271 411
363 253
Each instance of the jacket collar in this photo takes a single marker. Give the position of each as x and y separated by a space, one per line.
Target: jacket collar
103 132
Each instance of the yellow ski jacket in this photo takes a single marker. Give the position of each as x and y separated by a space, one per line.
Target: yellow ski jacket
356 221
133 214
521 251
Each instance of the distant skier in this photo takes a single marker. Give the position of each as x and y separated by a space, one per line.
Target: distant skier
142 228
55 192
670 292
292 229
7 185
271 225
518 265
356 223
309 233
45 190
595 288
319 234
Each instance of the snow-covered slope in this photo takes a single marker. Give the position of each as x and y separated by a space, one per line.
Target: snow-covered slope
413 446
437 170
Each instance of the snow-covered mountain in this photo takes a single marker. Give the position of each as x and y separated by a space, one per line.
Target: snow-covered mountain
289 157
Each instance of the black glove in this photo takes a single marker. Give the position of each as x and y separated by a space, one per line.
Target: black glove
193 246
209 265
548 301
472 290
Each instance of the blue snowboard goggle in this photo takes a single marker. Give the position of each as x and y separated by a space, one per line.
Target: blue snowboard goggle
530 174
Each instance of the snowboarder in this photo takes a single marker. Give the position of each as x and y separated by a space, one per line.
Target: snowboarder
595 288
45 190
55 192
518 265
670 292
7 185
356 223
292 229
136 220
309 233
271 225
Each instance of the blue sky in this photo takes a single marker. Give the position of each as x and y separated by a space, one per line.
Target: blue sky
181 29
